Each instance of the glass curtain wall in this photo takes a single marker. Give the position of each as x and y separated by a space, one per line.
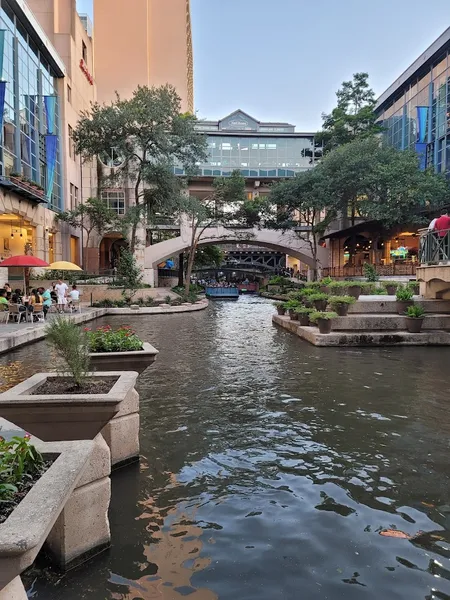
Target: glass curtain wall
429 93
29 78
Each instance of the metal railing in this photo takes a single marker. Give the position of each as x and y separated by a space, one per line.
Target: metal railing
434 247
404 268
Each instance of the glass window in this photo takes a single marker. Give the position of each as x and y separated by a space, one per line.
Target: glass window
115 199
69 94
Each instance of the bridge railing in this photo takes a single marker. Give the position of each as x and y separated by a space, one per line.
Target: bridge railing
434 247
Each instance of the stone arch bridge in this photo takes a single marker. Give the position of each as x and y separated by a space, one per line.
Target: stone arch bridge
287 242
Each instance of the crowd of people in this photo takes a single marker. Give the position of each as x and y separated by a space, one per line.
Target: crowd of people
40 299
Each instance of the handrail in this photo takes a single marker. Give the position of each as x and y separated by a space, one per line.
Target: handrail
434 247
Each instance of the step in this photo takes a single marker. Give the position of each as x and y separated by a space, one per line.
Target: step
387 304
385 322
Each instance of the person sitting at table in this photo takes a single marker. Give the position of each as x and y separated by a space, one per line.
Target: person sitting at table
35 298
3 300
16 297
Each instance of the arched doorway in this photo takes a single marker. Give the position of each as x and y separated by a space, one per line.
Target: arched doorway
110 248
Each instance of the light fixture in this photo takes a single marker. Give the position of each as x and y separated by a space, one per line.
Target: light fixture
12 232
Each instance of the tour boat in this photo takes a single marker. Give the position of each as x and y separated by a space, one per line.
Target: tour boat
222 293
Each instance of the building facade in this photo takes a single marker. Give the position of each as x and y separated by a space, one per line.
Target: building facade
415 109
149 43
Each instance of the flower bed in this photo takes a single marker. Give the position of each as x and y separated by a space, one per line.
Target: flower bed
105 339
21 465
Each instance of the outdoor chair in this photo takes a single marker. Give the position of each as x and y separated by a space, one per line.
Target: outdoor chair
4 313
38 312
15 314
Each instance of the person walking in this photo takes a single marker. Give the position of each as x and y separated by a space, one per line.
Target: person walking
61 294
47 300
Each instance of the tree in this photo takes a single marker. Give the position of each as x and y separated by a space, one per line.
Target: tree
92 215
208 256
377 182
144 138
303 206
353 117
220 208
129 273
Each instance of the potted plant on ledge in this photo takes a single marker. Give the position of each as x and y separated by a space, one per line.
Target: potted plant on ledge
404 296
391 287
323 320
303 313
280 308
320 301
354 289
290 306
415 315
120 349
341 304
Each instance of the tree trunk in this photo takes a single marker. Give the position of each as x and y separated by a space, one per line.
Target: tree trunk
181 269
86 253
190 264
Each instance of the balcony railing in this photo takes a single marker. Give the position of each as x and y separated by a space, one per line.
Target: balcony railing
434 248
403 268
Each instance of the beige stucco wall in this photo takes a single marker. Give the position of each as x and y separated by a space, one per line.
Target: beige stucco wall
146 45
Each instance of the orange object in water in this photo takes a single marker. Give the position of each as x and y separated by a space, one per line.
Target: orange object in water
395 533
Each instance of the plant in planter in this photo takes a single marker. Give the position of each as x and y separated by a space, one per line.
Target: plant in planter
379 291
354 289
415 315
323 320
404 298
370 272
290 306
337 288
324 285
391 287
414 287
340 304
320 301
112 350
281 310
20 466
303 313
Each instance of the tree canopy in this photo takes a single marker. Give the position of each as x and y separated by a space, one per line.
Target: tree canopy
142 139
353 117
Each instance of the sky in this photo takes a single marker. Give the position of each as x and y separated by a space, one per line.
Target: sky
283 60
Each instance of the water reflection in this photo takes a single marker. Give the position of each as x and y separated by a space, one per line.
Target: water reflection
270 468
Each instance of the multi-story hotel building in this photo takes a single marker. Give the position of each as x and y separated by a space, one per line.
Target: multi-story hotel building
148 43
42 44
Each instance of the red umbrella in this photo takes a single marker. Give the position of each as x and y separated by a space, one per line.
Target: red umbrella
24 261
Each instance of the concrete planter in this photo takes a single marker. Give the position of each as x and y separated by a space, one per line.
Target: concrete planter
65 417
402 306
24 532
136 360
293 315
304 320
324 325
391 289
281 311
414 324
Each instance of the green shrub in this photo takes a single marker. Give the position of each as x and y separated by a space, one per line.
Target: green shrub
316 315
337 286
105 339
303 310
299 295
370 272
415 311
291 304
379 292
71 348
19 462
326 281
315 285
308 291
336 300
318 296
279 280
395 284
404 293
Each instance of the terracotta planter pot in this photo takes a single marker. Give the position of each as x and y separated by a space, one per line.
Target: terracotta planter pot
136 360
308 303
281 311
320 305
402 306
304 320
391 290
341 309
324 325
414 324
354 290
293 315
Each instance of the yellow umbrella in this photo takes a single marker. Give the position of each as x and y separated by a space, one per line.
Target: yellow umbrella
64 265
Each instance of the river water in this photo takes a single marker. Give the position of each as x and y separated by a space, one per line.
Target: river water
270 468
